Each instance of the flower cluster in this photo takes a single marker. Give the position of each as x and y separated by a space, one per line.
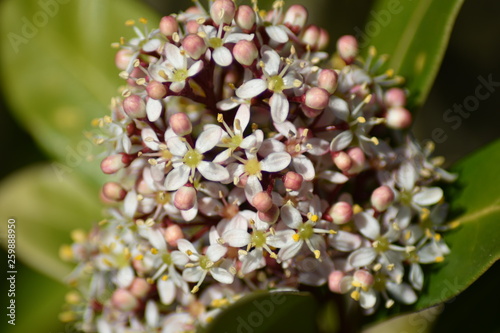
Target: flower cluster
247 158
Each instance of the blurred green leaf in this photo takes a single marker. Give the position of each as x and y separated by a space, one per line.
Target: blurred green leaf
415 35
46 210
268 312
57 69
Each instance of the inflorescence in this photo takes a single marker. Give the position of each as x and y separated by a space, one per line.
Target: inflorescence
247 158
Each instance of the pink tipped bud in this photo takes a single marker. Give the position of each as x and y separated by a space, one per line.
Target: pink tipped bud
114 163
185 198
311 35
347 47
398 118
342 160
113 191
192 27
395 97
139 287
134 106
122 59
180 124
382 198
364 277
310 112
222 11
262 201
341 212
194 46
271 216
328 80
334 281
316 98
156 90
245 52
245 17
295 18
168 25
123 300
358 160
323 40
292 181
172 234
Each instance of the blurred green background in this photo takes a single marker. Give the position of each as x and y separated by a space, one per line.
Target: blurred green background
474 50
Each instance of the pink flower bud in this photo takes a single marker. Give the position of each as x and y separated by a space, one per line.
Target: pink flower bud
347 47
194 46
364 277
295 18
185 198
334 281
310 112
245 52
342 160
139 287
323 40
341 212
358 160
180 124
113 191
156 90
134 106
262 201
316 98
114 163
192 27
395 97
398 118
271 216
172 234
311 35
123 300
382 197
222 11
245 17
168 25
293 181
122 59
328 79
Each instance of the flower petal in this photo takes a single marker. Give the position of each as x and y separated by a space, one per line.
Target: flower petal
407 175
428 196
251 88
236 237
153 109
277 34
192 274
174 55
341 141
362 257
177 177
166 290
416 276
367 225
222 275
215 252
304 167
402 292
176 146
222 56
212 171
275 162
252 261
208 139
291 216
279 107
149 138
367 299
195 68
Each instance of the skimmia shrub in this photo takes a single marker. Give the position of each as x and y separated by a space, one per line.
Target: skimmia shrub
247 158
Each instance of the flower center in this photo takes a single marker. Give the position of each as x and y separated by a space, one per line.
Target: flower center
215 42
205 263
162 197
381 244
275 83
305 231
166 154
192 158
258 238
252 167
180 75
379 283
167 258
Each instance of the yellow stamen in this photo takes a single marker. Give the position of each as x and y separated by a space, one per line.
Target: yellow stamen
355 295
296 237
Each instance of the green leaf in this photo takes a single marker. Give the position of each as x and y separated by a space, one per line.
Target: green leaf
268 312
46 211
57 69
415 35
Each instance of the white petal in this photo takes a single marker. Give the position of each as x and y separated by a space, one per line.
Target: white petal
186 246
149 138
346 284
333 177
403 217
367 225
402 292
215 252
279 107
208 139
339 107
345 241
251 88
174 55
152 314
270 146
280 239
286 128
222 275
242 117
130 204
236 238
291 216
195 68
236 37
416 276
272 61
151 45
192 274
428 196
407 176
227 104
155 237
341 141
125 276
212 171
222 56
177 178
319 146
291 250
275 162
252 187
179 258
277 34
190 214
367 299
362 257
304 167
176 146
166 289
177 86
252 261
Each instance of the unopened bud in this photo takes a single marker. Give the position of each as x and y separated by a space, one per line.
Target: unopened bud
295 18
194 46
168 25
382 198
341 212
139 287
323 40
398 118
192 27
334 279
311 35
364 277
245 52
122 59
113 191
156 90
123 300
222 11
328 80
185 198
262 201
271 216
245 17
293 181
172 234
347 47
395 97
134 106
114 163
316 98
180 124
342 160
358 160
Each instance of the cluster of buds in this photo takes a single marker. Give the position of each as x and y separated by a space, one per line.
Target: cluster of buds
246 158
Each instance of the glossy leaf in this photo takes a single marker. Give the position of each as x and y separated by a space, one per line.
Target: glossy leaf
46 211
268 312
57 69
415 35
